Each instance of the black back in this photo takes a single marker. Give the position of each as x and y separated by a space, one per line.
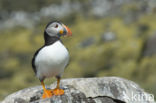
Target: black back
33 59
50 39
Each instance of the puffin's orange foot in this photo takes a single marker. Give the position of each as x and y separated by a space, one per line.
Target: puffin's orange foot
47 94
58 91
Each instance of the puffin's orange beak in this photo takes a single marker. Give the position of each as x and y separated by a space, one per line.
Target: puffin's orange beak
66 32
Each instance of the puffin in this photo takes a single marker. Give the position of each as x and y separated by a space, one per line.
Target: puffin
52 58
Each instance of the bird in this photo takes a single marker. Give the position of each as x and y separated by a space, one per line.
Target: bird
52 58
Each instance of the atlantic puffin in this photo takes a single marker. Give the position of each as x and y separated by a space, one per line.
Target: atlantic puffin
52 58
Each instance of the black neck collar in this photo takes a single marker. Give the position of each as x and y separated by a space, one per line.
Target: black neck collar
50 40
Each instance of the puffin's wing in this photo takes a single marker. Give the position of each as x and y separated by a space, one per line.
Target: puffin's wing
33 59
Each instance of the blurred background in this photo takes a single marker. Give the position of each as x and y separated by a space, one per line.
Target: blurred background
110 38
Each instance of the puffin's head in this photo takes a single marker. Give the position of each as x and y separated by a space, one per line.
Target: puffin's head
57 29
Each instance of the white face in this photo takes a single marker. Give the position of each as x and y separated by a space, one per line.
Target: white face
54 29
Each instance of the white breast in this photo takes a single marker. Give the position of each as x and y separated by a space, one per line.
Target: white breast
51 60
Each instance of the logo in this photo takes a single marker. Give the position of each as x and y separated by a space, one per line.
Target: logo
139 97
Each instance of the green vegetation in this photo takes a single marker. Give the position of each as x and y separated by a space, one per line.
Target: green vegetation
113 58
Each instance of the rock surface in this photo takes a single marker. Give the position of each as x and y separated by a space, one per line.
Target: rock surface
86 90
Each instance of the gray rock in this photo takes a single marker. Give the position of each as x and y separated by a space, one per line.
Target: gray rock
108 36
86 90
87 42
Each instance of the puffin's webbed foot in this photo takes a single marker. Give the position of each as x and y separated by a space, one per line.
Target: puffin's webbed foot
58 91
47 94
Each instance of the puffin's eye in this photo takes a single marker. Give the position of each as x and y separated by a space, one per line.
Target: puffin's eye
56 26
